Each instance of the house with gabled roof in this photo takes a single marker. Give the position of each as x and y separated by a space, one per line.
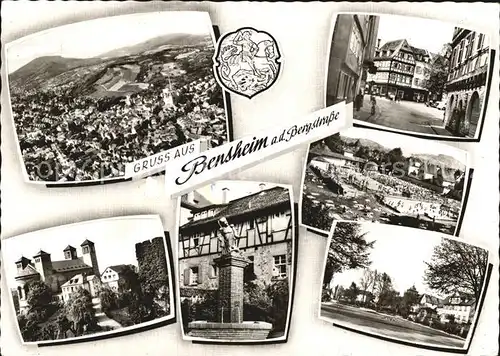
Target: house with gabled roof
459 307
54 273
112 275
402 71
262 223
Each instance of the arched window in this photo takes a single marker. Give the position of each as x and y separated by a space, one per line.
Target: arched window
473 113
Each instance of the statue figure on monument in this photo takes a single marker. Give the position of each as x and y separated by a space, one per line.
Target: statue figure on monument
228 238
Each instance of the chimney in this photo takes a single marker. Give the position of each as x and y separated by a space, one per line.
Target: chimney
378 43
224 195
262 186
190 197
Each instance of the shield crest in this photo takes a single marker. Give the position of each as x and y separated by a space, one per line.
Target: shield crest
247 61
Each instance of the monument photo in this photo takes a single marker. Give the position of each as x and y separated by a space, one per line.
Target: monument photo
236 262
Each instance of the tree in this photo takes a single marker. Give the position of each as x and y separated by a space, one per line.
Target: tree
352 292
108 299
456 266
334 143
348 250
39 295
315 215
438 74
384 290
80 312
367 282
129 280
410 298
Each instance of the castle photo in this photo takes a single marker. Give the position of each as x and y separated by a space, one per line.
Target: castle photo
117 279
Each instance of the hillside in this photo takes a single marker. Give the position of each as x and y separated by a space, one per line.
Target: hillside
176 39
357 142
38 71
441 160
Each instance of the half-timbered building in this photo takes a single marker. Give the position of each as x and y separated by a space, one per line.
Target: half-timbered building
466 85
263 228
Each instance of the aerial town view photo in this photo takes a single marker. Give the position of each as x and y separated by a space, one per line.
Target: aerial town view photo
368 175
71 282
88 98
430 296
410 74
236 261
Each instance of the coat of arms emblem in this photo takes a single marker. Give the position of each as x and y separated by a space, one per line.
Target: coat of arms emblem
247 61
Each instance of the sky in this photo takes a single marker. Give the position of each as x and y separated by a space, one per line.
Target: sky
91 38
237 189
422 33
114 241
409 145
400 252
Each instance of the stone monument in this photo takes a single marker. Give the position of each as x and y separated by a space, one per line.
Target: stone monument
230 325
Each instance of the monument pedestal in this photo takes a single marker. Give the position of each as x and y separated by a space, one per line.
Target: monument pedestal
230 325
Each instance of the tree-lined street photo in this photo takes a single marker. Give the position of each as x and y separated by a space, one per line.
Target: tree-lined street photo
430 296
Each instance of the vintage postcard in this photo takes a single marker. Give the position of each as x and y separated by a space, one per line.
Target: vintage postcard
90 280
402 284
410 75
236 262
91 97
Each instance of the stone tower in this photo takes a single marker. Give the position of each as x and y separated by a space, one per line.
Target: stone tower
70 253
89 256
43 265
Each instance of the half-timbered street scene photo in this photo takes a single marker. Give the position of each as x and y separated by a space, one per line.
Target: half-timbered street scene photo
90 97
368 175
236 243
403 284
409 74
90 278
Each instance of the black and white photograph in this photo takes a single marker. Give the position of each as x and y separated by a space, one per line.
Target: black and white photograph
91 97
236 262
97 278
367 175
403 284
410 75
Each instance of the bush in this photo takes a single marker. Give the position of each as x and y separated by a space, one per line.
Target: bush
108 300
326 294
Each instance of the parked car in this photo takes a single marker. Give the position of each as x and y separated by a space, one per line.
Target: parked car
441 105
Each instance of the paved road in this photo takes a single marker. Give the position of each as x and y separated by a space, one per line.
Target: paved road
388 326
403 115
102 319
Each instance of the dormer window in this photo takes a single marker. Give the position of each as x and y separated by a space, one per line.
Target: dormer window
86 249
67 254
19 265
38 259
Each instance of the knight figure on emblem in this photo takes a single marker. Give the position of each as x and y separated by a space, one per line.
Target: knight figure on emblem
246 62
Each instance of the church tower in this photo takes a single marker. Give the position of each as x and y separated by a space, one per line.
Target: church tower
69 253
168 99
43 265
89 256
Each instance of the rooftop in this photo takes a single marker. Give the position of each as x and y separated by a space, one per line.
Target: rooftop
251 203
